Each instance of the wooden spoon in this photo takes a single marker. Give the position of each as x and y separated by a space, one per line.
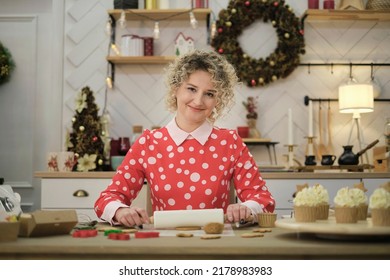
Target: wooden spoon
330 143
321 147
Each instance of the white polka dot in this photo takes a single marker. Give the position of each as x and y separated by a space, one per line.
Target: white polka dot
167 187
213 178
182 162
202 205
152 160
171 155
201 152
132 162
248 175
159 155
191 149
169 148
215 155
163 176
205 165
213 135
171 165
158 134
248 165
221 167
192 188
191 160
171 201
186 172
151 147
180 149
142 140
187 196
208 191
179 170
212 148
204 182
124 189
223 142
127 175
156 188
160 169
180 184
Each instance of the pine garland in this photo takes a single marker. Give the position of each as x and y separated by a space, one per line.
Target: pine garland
7 64
279 64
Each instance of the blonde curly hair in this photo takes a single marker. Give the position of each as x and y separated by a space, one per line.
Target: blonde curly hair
223 74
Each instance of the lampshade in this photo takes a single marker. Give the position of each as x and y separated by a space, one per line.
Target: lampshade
356 98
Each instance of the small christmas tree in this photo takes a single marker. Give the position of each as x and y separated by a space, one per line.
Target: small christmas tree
86 139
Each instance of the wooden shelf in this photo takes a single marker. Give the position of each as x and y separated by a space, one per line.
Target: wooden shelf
140 59
314 15
156 15
256 140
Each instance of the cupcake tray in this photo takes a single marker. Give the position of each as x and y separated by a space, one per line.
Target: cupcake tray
330 229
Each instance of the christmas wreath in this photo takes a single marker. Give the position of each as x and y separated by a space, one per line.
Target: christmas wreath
7 65
279 64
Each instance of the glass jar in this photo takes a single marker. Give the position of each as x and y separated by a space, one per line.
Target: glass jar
387 133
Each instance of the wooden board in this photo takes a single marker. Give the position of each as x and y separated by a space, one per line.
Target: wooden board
331 228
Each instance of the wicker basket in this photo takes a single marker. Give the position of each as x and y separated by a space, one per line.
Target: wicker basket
378 5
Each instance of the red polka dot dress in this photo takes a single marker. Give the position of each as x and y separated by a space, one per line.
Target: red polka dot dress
189 173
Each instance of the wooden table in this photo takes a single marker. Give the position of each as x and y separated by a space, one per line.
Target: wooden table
278 244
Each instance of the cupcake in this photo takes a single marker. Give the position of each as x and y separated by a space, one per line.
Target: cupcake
305 206
266 219
346 206
360 197
380 207
323 202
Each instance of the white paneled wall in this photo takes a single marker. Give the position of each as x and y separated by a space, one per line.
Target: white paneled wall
138 96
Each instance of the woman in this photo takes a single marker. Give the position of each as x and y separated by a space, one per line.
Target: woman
189 164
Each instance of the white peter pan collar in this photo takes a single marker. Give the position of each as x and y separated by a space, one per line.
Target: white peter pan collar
201 134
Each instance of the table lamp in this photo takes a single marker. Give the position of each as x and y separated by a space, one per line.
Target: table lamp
355 98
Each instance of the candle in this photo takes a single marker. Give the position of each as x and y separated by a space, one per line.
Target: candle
329 4
290 128
310 119
313 4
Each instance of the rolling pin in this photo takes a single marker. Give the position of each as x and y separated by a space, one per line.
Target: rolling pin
182 218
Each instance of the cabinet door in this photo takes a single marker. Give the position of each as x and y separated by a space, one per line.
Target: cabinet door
80 194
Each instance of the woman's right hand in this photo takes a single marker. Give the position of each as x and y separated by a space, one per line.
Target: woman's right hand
131 216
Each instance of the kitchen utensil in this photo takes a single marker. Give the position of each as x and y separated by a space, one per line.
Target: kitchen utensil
349 158
328 159
321 150
330 143
179 218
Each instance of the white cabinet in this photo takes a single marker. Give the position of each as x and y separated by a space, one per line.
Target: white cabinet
79 194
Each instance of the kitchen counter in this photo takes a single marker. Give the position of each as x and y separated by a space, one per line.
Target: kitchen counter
265 175
278 244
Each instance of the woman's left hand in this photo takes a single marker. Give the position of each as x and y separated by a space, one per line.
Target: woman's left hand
237 213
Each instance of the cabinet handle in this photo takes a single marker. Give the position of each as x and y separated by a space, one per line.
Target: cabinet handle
80 193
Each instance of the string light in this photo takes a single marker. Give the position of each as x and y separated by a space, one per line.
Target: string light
109 82
108 29
115 49
213 29
122 20
156 31
193 21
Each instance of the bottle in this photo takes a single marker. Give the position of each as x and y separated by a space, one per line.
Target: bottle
387 133
137 131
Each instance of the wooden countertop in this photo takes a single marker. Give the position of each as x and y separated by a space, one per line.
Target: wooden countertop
278 244
265 175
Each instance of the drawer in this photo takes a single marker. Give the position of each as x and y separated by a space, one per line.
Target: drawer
61 193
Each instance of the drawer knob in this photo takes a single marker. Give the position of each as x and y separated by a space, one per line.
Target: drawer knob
80 193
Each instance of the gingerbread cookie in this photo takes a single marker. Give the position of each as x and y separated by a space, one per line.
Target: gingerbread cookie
213 228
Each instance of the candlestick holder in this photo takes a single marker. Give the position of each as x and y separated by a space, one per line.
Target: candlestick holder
290 156
310 158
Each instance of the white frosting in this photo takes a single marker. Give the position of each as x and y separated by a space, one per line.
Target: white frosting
321 193
358 195
306 197
380 198
346 198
